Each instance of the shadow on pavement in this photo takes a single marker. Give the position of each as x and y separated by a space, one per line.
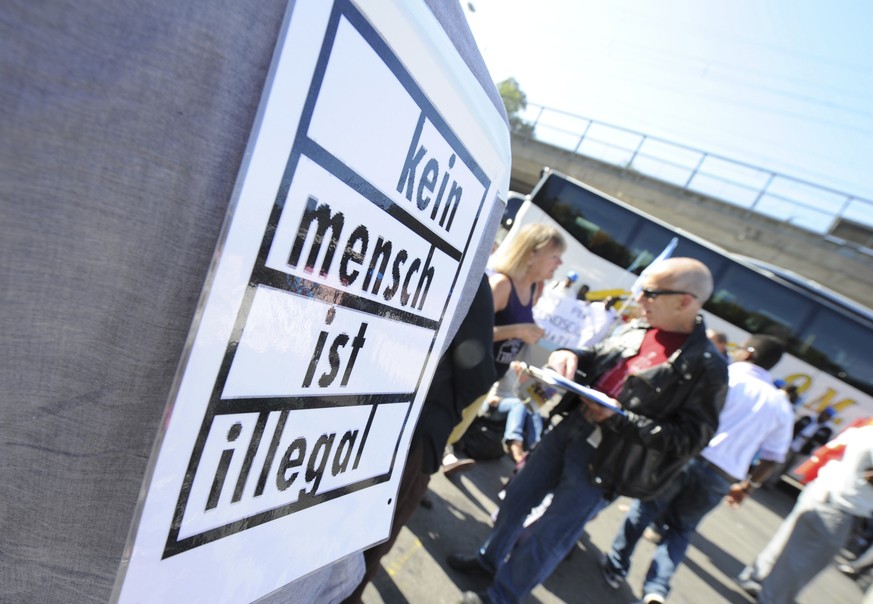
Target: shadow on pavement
460 520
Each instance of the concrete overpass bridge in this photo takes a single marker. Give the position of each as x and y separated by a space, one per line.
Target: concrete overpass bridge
838 264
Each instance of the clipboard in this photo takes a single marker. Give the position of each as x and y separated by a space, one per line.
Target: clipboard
555 379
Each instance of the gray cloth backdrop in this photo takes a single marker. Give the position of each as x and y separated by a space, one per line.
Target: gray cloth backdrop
122 128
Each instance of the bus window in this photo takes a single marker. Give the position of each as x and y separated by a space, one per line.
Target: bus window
715 262
839 346
596 223
649 241
757 304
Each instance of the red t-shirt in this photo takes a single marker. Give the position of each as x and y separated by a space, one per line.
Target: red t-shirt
656 348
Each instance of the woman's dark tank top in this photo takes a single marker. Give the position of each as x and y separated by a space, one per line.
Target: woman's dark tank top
505 351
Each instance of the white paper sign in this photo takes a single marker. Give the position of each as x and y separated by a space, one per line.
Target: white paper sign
370 173
561 315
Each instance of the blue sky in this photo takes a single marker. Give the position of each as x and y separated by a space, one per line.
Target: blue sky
786 85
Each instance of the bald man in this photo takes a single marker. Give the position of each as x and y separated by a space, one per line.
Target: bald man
671 384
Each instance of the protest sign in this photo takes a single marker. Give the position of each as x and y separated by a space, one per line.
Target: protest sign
561 316
374 161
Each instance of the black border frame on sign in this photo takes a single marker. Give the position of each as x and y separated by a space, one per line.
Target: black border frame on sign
262 276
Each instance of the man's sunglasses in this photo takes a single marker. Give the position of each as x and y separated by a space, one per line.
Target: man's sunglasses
651 294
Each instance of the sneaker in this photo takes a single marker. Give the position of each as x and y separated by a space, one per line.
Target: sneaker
475 597
748 584
846 569
612 576
469 565
652 535
653 598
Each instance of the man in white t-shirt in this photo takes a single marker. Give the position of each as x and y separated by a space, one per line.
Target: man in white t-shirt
756 417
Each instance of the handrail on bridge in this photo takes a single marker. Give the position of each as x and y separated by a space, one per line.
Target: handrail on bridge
804 204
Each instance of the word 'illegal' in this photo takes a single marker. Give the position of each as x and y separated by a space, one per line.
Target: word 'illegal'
284 465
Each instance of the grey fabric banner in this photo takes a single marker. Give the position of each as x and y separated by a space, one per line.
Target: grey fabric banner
122 129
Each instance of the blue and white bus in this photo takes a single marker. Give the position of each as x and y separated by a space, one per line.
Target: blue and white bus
828 337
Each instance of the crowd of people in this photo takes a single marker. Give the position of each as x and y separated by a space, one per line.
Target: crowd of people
688 423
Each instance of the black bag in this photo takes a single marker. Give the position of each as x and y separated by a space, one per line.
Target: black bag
483 440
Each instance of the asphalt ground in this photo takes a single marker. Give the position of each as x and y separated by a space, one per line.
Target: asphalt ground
416 570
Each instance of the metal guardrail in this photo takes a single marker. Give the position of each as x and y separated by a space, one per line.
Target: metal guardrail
801 203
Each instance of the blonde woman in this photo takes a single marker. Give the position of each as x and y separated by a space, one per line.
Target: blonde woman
520 267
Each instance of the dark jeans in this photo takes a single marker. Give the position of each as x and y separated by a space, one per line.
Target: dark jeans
691 495
558 465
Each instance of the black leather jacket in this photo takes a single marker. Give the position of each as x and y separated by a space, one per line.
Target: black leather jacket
672 411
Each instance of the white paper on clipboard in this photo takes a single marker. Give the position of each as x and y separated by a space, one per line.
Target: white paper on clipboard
553 378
